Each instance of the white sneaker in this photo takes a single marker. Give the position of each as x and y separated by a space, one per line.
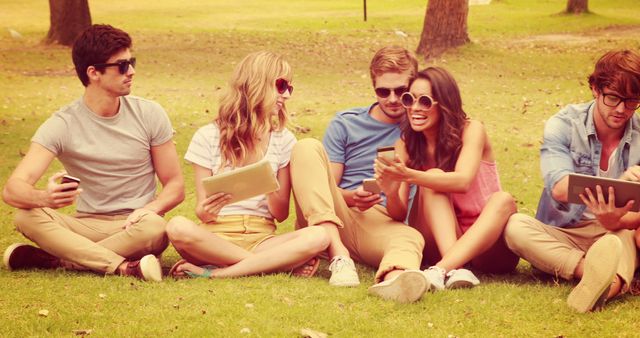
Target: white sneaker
461 278
435 275
406 287
343 272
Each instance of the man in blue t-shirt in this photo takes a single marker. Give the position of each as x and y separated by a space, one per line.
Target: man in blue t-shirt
327 185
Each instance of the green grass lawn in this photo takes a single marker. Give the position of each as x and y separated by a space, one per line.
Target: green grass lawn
524 63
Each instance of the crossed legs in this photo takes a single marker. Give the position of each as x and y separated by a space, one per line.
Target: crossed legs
279 253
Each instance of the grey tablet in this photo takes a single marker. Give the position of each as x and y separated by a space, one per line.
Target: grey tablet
624 190
244 182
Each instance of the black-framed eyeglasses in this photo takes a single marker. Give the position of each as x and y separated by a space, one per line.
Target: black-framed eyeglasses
123 65
612 100
385 92
283 85
407 99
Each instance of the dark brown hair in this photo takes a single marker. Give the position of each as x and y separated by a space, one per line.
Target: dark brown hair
96 45
619 71
445 91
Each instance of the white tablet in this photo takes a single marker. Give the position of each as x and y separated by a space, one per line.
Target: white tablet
244 182
624 190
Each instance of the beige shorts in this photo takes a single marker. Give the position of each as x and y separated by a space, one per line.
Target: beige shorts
245 231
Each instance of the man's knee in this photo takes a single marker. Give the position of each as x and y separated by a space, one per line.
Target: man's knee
408 236
27 220
154 224
516 232
306 146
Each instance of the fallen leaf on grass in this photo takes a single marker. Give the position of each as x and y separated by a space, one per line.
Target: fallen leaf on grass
82 332
312 333
43 313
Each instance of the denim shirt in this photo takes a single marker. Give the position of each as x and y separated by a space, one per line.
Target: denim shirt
570 145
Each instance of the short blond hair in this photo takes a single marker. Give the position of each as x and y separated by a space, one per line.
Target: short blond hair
393 59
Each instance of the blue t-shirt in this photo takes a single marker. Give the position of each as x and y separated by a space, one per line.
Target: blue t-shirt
352 138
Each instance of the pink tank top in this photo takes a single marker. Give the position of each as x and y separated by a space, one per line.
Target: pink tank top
469 205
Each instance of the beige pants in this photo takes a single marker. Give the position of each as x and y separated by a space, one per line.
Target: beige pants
558 251
95 242
372 237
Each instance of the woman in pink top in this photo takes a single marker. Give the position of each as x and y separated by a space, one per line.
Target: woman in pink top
459 207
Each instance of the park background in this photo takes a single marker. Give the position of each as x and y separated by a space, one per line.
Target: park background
524 63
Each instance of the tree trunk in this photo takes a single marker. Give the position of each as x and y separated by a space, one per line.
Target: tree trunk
577 6
69 18
445 26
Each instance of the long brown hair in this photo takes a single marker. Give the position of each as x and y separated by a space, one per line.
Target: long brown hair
445 91
246 107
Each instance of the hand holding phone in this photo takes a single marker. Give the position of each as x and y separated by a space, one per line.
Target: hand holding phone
69 179
370 185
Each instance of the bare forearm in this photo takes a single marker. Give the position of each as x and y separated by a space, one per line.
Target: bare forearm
23 195
278 206
396 208
450 182
172 194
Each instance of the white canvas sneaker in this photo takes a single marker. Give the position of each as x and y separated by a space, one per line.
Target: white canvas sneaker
461 278
406 287
436 276
343 272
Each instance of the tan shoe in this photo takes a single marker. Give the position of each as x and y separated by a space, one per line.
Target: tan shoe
406 287
600 266
148 268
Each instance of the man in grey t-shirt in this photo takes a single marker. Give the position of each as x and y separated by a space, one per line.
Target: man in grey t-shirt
115 145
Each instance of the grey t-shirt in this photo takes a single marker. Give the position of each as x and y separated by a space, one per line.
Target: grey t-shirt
112 156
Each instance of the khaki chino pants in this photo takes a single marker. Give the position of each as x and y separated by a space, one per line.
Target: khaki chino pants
90 241
558 251
372 237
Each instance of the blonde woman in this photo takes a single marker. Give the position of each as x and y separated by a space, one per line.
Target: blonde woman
239 239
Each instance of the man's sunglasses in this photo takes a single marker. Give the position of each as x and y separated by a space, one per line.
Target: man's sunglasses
123 65
283 85
407 99
385 92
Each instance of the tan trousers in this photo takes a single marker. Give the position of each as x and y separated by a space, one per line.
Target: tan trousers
94 242
372 237
558 251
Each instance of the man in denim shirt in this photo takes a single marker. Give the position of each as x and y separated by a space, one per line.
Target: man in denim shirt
591 242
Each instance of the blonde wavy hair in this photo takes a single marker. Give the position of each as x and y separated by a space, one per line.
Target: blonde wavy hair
246 107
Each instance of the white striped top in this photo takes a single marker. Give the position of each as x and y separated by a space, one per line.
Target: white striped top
204 151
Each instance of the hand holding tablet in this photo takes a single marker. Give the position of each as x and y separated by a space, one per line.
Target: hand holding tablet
244 182
624 191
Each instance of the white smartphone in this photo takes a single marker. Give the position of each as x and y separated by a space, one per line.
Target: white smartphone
370 185
388 153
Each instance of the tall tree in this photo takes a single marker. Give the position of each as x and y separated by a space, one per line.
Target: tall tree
69 18
445 26
577 6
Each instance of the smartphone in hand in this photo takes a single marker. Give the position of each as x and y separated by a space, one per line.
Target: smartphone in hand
370 185
69 179
388 153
